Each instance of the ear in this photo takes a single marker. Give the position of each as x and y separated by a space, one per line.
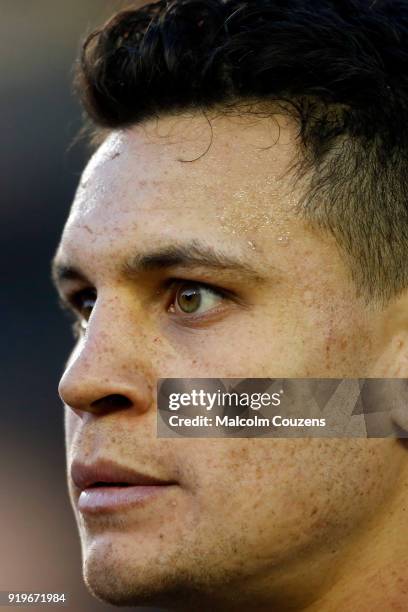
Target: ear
393 358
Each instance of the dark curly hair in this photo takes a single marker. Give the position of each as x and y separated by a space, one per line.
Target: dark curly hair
340 67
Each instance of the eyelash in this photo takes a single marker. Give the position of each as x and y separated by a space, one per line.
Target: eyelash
76 300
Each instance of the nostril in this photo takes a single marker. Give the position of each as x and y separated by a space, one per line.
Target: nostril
112 402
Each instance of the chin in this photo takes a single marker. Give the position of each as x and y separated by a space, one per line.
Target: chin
120 575
121 583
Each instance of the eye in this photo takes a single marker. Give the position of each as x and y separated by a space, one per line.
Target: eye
84 302
194 299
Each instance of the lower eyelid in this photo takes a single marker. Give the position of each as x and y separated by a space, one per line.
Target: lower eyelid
208 316
197 322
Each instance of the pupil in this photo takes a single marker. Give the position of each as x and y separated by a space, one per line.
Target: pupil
189 300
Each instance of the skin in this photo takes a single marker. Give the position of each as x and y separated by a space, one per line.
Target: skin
260 524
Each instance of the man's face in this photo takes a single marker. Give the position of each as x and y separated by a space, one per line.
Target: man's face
183 268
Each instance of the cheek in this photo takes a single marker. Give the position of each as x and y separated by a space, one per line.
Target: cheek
72 425
317 335
344 346
280 495
287 342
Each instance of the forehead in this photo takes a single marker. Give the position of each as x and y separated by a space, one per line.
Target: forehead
186 177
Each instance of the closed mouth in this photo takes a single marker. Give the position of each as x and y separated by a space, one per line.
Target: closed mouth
106 473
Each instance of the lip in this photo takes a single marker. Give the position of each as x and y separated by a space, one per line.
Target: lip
106 486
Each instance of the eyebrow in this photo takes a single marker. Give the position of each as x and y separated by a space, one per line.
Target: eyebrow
61 272
191 255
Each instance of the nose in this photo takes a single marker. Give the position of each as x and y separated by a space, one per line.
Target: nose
105 373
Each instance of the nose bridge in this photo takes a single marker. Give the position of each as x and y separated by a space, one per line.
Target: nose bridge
99 349
109 360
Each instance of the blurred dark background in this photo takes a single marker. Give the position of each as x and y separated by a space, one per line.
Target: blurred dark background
39 170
